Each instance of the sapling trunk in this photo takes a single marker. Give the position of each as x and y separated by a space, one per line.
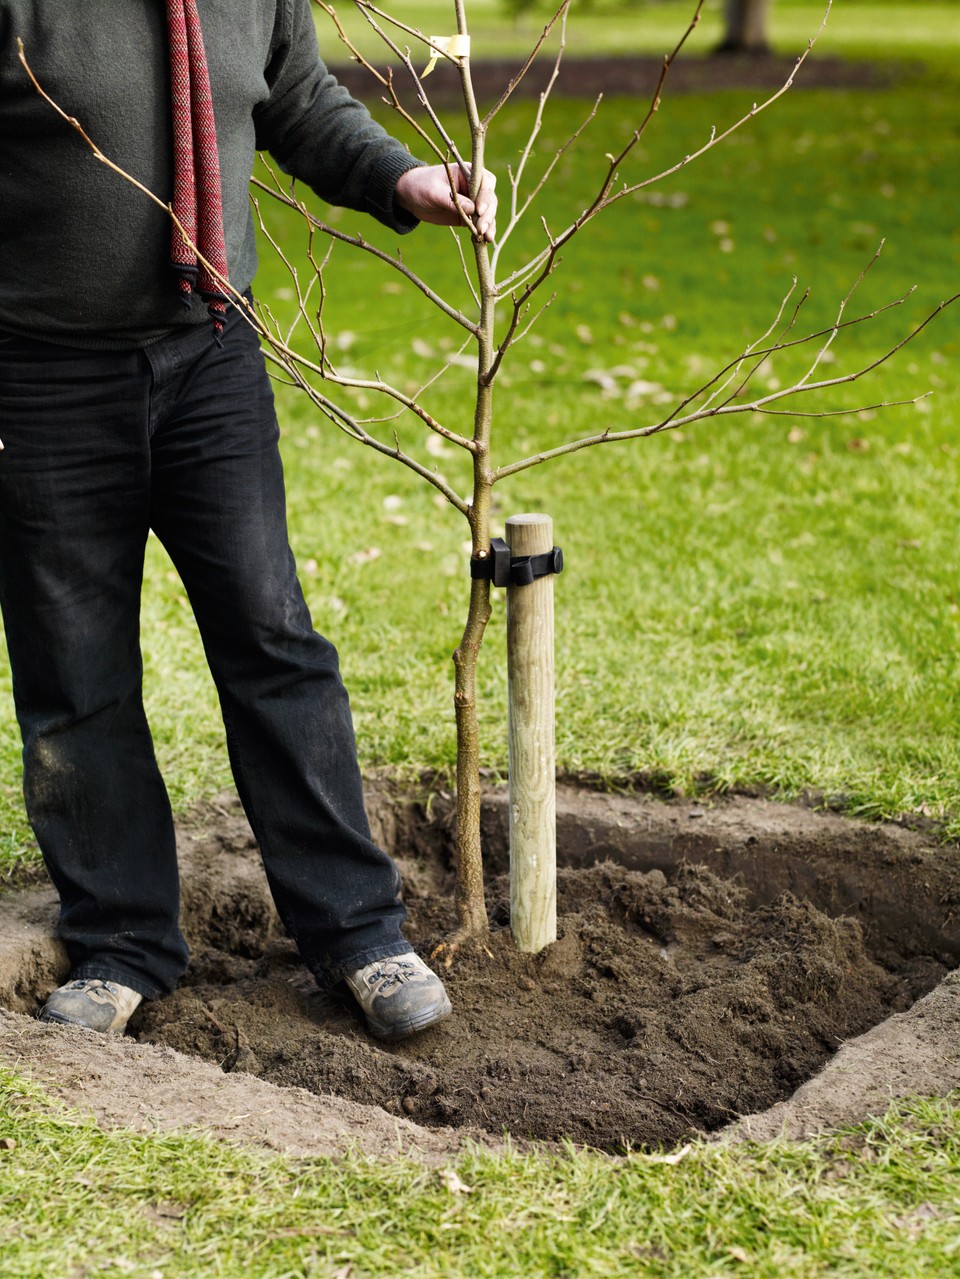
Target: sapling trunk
470 903
469 895
473 924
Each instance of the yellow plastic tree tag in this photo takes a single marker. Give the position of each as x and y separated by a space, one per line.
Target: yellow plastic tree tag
452 46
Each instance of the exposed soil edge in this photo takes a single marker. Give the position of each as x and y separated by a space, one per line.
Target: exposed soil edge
780 848
916 1053
123 1084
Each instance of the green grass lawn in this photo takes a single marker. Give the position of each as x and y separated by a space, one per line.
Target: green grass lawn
856 27
759 602
877 1203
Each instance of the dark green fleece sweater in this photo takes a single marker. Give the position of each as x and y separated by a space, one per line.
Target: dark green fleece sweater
83 255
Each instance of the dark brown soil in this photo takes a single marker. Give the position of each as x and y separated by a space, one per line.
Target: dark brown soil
668 1006
638 76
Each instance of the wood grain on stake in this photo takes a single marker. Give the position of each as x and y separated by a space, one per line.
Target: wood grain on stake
533 803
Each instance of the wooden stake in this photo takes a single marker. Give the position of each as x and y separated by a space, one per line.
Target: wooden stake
533 795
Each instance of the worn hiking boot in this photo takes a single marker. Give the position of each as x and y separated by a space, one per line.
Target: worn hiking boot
94 1004
399 996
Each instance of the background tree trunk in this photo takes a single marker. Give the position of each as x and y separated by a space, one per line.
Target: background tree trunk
746 29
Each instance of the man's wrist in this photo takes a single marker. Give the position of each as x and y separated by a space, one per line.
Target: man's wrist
381 189
402 211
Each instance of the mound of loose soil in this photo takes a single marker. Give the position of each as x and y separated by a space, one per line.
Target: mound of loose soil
666 1007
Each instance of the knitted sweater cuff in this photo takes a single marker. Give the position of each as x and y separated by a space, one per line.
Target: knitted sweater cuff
383 184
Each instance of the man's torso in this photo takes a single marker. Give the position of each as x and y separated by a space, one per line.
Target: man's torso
84 254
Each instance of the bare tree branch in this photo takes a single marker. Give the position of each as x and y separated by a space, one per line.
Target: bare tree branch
369 9
751 352
453 361
783 345
516 213
840 312
606 196
758 405
561 17
358 242
352 427
861 408
370 13
464 268
317 278
514 333
326 368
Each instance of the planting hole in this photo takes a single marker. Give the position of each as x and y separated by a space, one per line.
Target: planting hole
705 968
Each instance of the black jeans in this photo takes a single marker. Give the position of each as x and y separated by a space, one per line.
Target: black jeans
181 437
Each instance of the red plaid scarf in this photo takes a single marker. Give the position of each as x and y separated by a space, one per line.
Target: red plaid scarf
197 199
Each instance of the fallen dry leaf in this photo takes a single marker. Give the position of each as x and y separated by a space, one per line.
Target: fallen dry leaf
673 1158
453 1183
606 382
437 446
366 556
913 1224
642 387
